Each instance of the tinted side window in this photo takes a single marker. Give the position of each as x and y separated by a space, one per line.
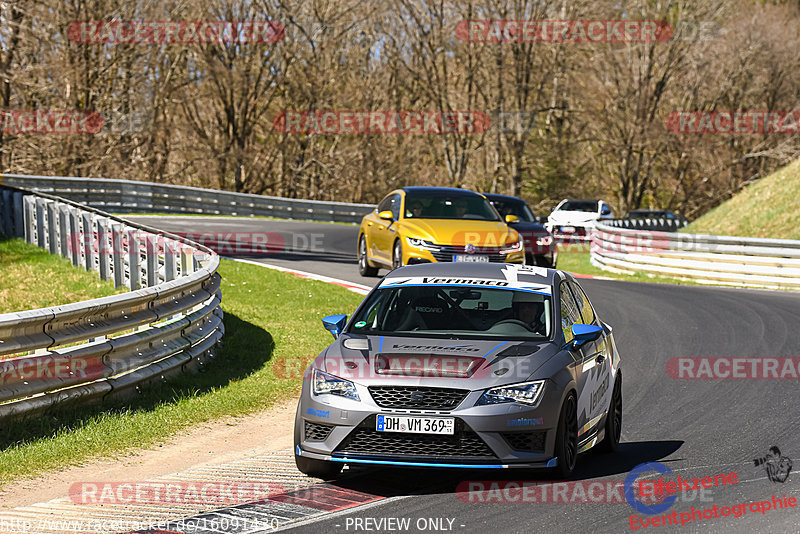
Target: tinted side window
395 206
584 306
386 204
569 311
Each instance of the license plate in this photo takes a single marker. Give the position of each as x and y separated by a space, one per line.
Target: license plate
568 229
471 258
415 424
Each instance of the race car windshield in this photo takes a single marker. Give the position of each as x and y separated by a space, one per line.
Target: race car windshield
449 206
455 312
579 205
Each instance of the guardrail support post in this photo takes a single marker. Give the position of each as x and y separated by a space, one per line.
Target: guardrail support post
170 260
134 261
74 238
19 214
89 240
8 210
116 248
52 227
103 250
151 254
29 215
40 223
63 230
187 260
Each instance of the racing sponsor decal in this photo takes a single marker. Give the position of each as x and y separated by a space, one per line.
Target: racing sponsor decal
510 283
733 368
525 421
324 414
436 348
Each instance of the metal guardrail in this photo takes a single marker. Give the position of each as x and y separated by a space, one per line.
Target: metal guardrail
127 196
169 321
660 224
721 260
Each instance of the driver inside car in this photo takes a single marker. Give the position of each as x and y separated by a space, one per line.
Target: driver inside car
529 308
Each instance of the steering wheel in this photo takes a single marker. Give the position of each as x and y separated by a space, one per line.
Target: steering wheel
514 321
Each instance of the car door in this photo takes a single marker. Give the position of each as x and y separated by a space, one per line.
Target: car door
596 364
570 315
383 231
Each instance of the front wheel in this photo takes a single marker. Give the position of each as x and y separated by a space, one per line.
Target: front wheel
397 255
613 426
364 268
567 438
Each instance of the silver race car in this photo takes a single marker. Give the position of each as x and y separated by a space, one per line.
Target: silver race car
472 365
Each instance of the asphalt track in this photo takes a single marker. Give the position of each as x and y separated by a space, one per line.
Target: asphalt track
697 428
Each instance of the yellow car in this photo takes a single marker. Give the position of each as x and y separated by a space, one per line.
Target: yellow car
435 224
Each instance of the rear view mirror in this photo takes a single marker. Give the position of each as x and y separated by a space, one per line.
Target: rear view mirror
386 215
334 324
584 333
464 294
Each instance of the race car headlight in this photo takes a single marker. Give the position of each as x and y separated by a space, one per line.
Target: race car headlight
324 383
512 247
544 241
523 393
421 243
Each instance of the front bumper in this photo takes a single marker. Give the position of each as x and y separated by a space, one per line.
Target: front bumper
496 436
447 254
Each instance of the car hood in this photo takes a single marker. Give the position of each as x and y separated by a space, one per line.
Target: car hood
463 364
571 217
460 232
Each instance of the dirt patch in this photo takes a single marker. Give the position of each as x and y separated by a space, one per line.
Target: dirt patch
208 444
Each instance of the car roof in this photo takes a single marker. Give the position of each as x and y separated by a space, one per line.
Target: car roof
500 272
497 196
428 189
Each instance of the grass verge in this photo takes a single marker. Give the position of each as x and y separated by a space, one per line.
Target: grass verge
262 344
767 208
31 277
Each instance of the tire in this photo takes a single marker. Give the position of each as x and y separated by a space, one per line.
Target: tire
613 426
566 449
397 255
364 267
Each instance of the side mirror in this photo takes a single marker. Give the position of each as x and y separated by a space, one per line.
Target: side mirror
386 215
511 218
334 324
584 333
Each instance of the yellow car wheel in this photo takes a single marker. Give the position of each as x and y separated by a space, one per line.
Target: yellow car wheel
364 266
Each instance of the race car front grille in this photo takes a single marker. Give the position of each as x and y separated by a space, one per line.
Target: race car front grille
417 397
317 431
525 441
365 440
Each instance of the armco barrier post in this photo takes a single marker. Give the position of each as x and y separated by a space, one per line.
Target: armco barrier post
116 254
89 239
63 230
40 222
103 250
134 261
74 238
29 202
151 254
8 210
52 227
19 214
170 263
